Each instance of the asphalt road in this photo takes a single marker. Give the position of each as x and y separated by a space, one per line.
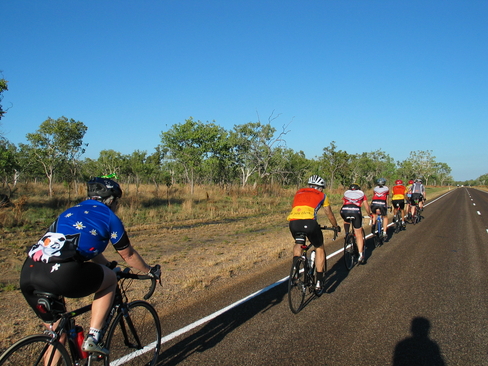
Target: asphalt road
420 300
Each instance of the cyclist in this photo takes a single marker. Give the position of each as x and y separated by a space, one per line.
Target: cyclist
68 258
417 191
398 198
380 203
303 218
353 200
410 182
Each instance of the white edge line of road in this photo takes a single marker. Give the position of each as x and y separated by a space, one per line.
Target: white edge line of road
202 321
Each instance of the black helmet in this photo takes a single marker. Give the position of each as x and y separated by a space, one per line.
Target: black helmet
381 182
103 187
354 187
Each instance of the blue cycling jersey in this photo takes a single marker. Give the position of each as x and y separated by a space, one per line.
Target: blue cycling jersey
80 233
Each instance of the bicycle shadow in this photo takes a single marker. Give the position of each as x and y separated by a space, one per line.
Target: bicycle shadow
336 275
217 329
419 349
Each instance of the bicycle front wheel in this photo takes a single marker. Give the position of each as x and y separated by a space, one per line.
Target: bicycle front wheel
134 338
349 251
36 350
296 285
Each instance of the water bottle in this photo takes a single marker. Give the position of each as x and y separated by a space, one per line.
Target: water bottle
312 259
79 337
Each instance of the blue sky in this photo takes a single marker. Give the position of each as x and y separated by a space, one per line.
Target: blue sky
399 76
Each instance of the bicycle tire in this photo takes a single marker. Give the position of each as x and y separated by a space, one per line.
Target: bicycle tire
296 285
350 252
378 241
31 351
398 223
134 338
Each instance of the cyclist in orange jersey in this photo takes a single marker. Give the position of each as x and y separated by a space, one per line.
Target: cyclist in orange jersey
303 218
398 197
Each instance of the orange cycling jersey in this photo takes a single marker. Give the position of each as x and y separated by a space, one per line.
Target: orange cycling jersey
399 192
306 203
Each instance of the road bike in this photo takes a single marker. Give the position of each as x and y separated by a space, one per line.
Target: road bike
398 220
416 217
303 272
132 329
351 251
377 228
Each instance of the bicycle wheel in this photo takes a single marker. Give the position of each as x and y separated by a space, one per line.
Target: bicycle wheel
377 231
296 285
134 338
36 350
350 252
398 222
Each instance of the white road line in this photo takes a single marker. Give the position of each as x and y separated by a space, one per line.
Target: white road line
479 213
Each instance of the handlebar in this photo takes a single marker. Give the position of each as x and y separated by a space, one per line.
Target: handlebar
127 274
335 229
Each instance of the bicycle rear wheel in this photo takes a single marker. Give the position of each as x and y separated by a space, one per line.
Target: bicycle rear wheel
36 350
296 285
398 222
134 338
350 252
377 232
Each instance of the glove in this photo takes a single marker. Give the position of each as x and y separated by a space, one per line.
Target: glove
338 229
155 272
112 264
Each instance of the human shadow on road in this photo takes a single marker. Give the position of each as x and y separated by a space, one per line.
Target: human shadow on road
217 329
419 349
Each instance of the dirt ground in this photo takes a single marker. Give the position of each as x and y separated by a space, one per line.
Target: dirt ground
196 257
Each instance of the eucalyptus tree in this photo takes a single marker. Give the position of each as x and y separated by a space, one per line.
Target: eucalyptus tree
110 162
254 144
333 161
3 88
55 144
189 144
292 168
8 162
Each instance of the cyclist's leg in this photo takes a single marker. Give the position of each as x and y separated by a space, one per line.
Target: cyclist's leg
103 298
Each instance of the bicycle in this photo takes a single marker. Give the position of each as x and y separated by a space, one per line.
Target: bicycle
397 219
415 218
351 251
132 329
303 272
377 229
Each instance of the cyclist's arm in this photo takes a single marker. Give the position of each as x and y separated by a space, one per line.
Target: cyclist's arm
133 259
330 215
367 207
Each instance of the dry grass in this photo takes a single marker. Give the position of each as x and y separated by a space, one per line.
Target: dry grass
203 241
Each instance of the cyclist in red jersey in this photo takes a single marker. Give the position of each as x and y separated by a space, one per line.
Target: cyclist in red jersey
380 202
353 200
303 218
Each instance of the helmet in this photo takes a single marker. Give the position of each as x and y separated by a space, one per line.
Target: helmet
381 181
354 187
418 180
399 181
410 181
315 180
103 187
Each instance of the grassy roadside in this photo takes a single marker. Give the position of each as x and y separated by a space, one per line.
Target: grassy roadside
202 243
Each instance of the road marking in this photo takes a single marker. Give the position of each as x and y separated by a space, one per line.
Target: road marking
479 213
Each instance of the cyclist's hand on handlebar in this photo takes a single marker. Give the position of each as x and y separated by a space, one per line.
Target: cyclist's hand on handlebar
156 273
337 228
112 264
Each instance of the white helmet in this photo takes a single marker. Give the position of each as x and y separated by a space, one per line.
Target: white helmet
315 180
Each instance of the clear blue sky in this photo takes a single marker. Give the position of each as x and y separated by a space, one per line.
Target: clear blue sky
399 76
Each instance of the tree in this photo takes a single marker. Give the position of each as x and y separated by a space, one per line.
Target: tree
55 143
333 161
190 143
3 87
8 160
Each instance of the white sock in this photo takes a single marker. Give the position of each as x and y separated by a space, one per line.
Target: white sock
95 333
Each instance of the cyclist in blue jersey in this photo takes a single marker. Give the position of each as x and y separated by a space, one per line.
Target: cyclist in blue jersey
68 260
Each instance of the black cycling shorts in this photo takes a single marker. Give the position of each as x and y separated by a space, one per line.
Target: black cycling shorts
354 212
416 197
311 228
70 279
379 204
398 203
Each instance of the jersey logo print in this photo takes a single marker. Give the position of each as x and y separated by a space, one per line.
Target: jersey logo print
54 247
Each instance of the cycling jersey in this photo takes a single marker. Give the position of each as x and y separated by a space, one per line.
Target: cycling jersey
80 233
306 204
399 192
380 193
354 197
417 188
